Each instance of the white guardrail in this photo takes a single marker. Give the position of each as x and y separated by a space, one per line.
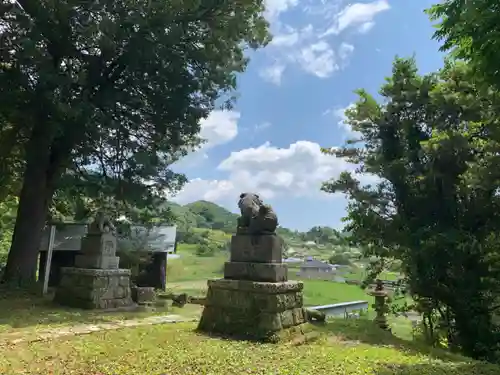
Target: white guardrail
344 308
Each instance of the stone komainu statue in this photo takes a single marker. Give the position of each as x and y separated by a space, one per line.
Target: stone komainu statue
101 224
256 217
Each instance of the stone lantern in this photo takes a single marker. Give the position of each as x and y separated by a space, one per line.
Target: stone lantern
380 306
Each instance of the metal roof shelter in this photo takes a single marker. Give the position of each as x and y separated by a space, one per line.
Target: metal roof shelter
68 237
61 243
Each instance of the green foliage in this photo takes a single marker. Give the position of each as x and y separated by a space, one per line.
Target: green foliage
322 235
211 215
433 145
190 237
7 217
471 31
340 258
207 249
99 99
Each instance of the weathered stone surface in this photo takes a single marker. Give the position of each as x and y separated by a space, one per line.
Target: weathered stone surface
257 310
273 272
97 261
124 273
94 288
266 248
256 286
99 243
143 295
251 300
256 217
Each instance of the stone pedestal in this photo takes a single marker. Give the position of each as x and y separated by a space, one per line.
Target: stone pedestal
99 252
94 288
95 282
254 300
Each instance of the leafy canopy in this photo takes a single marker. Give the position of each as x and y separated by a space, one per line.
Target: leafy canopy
433 144
470 30
98 99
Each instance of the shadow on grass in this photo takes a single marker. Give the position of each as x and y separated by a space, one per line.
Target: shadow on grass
365 331
22 309
450 368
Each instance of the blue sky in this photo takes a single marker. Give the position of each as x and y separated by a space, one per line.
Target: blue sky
291 100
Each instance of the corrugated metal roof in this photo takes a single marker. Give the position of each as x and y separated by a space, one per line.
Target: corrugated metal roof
313 263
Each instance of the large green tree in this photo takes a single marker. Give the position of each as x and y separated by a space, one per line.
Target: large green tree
433 143
113 89
470 30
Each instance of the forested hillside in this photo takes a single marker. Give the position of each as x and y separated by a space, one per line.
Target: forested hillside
208 215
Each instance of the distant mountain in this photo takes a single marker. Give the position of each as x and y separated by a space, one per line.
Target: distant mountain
203 214
211 215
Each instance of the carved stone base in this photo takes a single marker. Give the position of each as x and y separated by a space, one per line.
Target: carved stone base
264 272
256 249
252 310
94 288
97 261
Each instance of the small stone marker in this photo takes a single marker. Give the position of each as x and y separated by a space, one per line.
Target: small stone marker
96 282
254 300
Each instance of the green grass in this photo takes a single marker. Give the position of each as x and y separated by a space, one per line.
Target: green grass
24 313
359 274
215 235
344 347
191 267
189 274
319 292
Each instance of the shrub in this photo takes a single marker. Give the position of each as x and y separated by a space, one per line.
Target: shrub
206 250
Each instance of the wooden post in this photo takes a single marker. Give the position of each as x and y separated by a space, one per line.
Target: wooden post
165 274
48 260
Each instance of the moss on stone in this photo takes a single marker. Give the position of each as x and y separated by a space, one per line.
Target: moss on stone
249 313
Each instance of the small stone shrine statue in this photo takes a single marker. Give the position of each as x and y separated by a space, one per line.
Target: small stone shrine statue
256 217
101 224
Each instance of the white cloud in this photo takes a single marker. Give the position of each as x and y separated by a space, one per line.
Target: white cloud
306 46
365 27
345 51
318 59
341 118
290 36
285 40
357 14
273 73
275 7
295 171
219 127
262 126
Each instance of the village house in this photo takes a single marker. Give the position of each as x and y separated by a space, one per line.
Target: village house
315 269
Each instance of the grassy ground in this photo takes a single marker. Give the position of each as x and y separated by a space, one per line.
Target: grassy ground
359 274
25 313
344 347
189 274
354 347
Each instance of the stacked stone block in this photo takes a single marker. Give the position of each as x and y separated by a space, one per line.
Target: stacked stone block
254 300
94 288
95 282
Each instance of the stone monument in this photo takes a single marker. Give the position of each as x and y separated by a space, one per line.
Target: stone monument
254 300
96 282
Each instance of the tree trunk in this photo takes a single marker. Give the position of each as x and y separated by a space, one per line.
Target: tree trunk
34 199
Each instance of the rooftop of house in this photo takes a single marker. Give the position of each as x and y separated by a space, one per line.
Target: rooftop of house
313 263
